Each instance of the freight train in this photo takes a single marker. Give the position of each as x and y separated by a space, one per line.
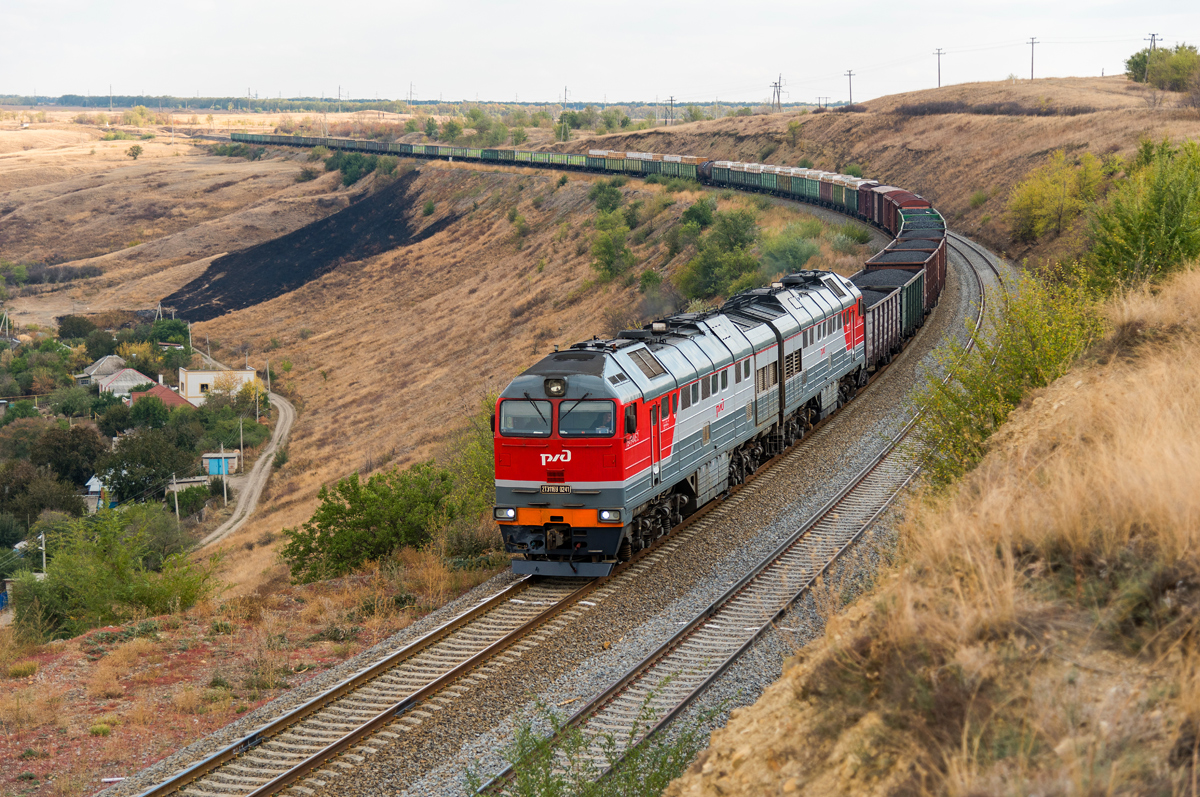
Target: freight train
604 447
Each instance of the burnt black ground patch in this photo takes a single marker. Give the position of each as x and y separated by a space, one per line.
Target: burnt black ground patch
251 276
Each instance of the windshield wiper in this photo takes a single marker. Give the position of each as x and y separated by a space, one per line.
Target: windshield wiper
563 417
535 408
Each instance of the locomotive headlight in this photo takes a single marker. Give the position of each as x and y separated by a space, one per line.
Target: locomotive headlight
610 515
504 513
556 388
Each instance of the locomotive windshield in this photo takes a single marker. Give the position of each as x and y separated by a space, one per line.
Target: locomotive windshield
525 418
586 418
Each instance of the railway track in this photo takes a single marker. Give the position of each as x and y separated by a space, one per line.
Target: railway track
297 743
656 690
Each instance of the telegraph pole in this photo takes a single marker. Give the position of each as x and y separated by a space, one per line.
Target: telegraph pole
939 57
1152 39
1032 42
777 94
850 75
671 109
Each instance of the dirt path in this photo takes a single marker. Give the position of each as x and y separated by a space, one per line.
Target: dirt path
256 481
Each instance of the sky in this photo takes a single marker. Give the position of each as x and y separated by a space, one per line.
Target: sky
615 51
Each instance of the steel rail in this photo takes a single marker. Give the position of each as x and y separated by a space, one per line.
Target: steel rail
659 658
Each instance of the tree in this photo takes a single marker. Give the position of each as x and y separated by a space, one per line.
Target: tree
74 326
1151 222
518 136
115 420
357 522
451 130
149 412
733 229
141 464
100 344
71 401
26 490
701 213
17 438
135 151
793 131
1164 68
693 114
1053 195
70 454
19 409
606 196
431 129
610 255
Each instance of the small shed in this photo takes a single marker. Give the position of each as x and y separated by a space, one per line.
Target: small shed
93 500
221 464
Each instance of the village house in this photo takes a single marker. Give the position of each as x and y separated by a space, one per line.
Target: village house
105 366
122 382
194 385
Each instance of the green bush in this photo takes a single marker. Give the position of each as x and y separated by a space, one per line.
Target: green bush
789 251
428 209
1165 68
353 165
359 521
1035 337
318 153
307 173
1052 196
610 253
853 169
96 575
978 199
804 163
700 212
1150 223
116 135
606 195
238 151
191 500
281 458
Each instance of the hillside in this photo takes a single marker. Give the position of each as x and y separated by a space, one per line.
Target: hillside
946 157
1064 666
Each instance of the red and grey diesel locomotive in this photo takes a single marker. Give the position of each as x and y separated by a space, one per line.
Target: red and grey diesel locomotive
604 447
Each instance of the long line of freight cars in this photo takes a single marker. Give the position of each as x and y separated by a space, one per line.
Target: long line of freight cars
900 285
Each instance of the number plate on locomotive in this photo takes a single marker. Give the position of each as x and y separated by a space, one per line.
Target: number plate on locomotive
556 488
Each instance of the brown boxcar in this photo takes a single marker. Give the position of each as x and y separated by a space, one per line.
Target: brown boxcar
881 312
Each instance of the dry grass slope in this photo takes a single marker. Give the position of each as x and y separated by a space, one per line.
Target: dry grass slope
1040 635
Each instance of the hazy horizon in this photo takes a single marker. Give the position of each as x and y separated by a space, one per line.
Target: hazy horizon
498 52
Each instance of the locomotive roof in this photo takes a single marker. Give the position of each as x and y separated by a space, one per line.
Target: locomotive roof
673 351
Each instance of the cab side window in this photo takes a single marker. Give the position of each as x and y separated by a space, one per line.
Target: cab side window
631 419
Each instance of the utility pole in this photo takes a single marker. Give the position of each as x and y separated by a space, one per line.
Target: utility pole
777 94
671 112
1032 43
242 437
175 490
42 537
1152 39
224 475
850 75
939 57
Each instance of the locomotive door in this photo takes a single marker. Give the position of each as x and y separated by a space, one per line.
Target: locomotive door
655 449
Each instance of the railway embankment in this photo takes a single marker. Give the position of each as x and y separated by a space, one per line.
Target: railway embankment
1062 663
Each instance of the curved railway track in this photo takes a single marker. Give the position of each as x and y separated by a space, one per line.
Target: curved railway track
331 732
668 680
